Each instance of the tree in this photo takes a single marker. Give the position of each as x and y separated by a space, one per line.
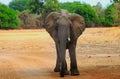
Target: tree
35 6
70 6
85 10
52 4
46 6
20 5
100 12
8 17
116 13
89 14
109 16
112 14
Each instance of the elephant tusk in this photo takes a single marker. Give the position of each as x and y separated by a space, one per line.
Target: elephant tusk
68 38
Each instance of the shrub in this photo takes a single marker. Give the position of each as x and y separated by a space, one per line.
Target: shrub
8 17
29 21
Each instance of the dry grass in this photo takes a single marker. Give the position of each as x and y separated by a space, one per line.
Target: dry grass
101 35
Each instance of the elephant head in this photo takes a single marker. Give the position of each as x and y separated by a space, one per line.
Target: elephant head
76 22
65 29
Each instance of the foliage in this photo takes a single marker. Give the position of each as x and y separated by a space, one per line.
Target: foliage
94 15
70 6
113 14
51 5
35 6
109 15
8 17
116 13
20 5
100 12
46 6
88 13
85 10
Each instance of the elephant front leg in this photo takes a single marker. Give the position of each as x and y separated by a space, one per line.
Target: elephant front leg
73 65
57 67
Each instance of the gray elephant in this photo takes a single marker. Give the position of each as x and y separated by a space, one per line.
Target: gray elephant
65 29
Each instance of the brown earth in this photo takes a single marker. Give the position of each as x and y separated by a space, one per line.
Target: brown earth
30 54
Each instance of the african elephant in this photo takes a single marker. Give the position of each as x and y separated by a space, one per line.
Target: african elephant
65 29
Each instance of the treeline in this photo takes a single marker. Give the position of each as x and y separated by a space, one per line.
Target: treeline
27 13
96 15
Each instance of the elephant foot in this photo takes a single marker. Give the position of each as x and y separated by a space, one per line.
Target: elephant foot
75 72
62 73
57 70
66 72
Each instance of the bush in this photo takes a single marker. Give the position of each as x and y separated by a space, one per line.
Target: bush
8 17
29 21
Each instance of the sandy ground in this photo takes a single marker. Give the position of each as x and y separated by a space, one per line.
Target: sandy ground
31 54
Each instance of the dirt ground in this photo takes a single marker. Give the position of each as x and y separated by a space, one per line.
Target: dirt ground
31 54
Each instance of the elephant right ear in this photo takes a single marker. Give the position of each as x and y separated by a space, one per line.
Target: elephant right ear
50 24
78 24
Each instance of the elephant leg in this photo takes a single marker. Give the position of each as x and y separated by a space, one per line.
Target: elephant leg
57 67
73 64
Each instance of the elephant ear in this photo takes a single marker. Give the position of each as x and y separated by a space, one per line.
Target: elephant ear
78 24
50 24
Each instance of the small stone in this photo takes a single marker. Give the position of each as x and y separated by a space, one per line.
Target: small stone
109 56
89 57
3 48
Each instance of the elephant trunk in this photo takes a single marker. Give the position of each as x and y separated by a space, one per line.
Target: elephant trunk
63 36
62 45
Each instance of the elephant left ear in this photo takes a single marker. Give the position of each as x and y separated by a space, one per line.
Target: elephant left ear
50 24
78 24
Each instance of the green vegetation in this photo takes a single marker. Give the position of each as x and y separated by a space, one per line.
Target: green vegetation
51 5
30 9
89 14
19 5
84 10
35 6
8 17
112 14
100 13
96 15
70 6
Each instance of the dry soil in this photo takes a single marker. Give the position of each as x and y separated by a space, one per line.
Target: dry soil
31 54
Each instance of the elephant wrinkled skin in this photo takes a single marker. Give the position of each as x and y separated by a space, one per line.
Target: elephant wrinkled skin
65 29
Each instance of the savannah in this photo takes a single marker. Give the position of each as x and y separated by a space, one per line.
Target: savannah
31 54
28 52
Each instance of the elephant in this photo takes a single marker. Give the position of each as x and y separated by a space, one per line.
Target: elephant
65 28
